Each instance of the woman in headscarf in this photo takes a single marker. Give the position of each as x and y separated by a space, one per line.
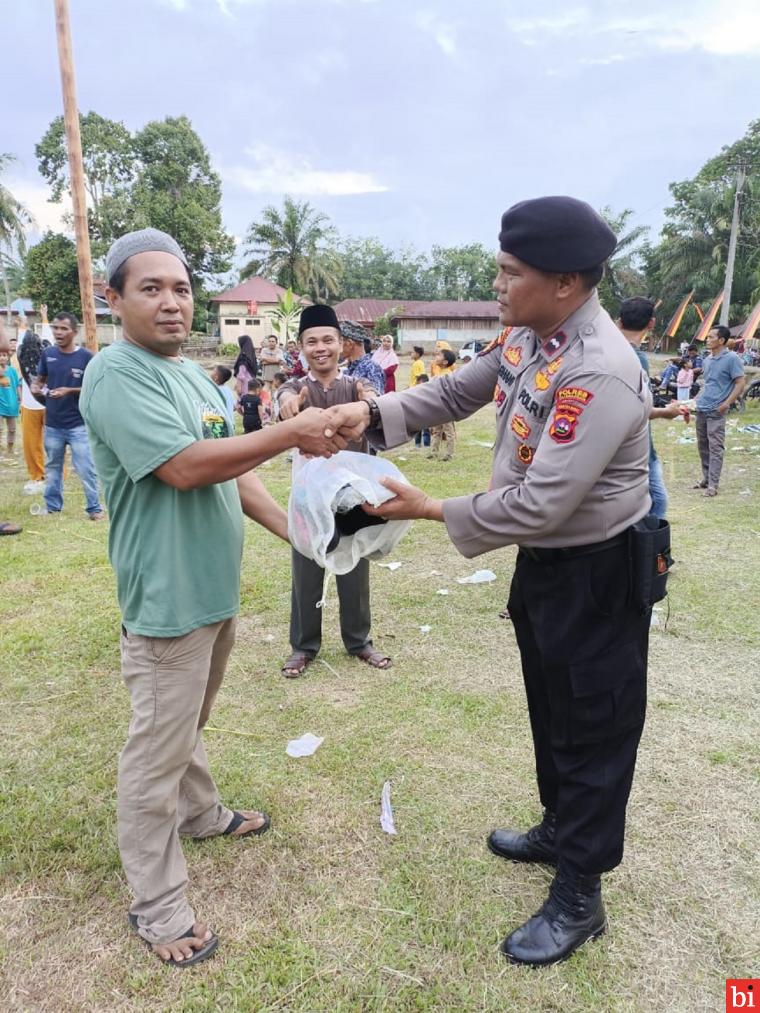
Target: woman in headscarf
246 366
387 360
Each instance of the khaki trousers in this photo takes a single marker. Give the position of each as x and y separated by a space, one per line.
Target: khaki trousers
446 433
165 788
32 434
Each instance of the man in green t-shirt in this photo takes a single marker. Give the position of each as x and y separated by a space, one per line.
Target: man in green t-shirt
177 484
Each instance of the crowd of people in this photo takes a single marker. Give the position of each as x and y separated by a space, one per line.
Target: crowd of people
576 485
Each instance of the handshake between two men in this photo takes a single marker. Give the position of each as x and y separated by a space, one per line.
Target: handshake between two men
326 431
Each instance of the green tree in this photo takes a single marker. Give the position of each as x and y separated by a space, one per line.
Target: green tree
179 192
110 172
372 270
693 249
14 219
623 277
286 314
295 248
462 272
52 276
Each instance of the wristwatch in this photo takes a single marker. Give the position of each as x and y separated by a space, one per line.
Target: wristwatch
375 421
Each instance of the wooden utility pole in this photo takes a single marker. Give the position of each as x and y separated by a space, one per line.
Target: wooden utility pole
76 171
726 307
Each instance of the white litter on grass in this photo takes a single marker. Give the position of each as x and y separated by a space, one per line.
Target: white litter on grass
745 492
479 577
481 443
307 745
386 813
402 458
269 637
736 448
425 629
436 573
686 439
391 566
442 590
655 620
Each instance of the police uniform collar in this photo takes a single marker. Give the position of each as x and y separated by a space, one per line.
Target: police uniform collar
577 323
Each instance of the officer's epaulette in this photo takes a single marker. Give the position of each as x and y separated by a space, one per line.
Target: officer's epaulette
496 343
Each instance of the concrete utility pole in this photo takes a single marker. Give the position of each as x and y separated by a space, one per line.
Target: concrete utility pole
76 171
726 307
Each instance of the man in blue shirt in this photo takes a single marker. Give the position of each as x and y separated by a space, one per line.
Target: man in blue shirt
358 363
59 376
724 383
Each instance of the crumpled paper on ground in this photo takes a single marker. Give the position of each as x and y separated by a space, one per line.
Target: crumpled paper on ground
479 577
307 745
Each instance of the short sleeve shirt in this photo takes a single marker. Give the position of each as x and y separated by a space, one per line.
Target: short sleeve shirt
720 372
63 369
176 553
9 383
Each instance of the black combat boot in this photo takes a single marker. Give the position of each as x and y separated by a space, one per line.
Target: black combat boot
572 914
536 845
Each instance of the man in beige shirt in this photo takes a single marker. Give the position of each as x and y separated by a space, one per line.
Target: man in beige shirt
569 480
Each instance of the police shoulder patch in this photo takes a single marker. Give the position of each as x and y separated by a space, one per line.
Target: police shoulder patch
525 453
577 394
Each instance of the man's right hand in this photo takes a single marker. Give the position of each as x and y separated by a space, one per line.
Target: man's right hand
292 405
315 432
350 419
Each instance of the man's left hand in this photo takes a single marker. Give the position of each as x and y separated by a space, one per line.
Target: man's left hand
408 504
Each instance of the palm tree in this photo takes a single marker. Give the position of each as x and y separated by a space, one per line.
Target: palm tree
294 248
622 277
13 220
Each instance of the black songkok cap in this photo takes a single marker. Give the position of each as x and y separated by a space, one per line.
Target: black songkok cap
556 234
318 315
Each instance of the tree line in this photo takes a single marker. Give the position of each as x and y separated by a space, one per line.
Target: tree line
162 176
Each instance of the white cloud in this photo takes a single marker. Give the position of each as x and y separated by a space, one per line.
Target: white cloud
278 172
443 32
34 197
671 25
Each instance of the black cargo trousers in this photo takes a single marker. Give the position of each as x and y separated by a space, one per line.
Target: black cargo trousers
584 660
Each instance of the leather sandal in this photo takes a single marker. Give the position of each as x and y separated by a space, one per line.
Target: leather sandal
372 657
238 818
296 664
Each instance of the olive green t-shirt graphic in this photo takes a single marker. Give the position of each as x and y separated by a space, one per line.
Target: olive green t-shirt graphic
176 554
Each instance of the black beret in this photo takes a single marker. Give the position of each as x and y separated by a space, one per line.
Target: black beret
318 315
556 234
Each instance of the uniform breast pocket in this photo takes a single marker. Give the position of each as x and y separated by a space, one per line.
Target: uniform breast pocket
608 695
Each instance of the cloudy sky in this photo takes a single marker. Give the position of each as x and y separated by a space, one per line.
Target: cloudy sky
417 122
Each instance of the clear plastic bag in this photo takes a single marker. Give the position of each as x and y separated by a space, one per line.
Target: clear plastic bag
323 487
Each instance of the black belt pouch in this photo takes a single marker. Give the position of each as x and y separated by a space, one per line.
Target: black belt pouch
649 549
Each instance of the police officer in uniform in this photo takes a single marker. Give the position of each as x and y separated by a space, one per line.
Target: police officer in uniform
569 480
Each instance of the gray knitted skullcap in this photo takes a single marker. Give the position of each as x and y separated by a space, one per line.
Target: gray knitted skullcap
144 241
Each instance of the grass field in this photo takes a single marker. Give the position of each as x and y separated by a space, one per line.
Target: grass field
326 912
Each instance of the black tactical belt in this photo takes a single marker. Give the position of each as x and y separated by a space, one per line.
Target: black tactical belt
572 551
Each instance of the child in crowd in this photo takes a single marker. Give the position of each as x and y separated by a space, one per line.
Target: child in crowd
221 377
418 366
684 380
422 438
251 408
324 387
10 392
444 362
277 381
435 365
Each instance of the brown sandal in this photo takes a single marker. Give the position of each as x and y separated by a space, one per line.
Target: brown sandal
371 656
296 664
